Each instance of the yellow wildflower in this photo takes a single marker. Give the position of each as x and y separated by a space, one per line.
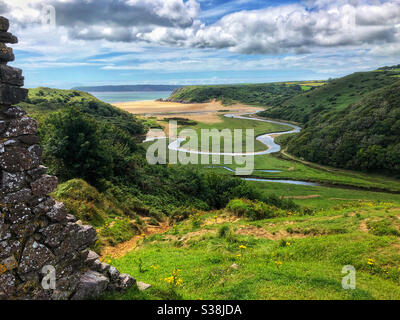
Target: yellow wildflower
243 247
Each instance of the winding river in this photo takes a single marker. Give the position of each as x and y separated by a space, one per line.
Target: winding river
268 139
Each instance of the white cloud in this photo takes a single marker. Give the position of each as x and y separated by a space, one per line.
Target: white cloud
291 28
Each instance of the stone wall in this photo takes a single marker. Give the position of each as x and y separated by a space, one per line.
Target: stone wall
36 233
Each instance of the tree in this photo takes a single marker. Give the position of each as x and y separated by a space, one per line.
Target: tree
73 148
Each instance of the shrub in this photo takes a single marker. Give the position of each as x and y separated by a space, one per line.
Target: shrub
182 213
254 210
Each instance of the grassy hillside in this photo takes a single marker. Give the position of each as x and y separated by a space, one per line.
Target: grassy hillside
365 135
254 94
43 101
335 96
224 256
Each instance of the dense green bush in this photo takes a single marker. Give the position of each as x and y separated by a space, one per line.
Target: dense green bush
254 210
365 136
259 94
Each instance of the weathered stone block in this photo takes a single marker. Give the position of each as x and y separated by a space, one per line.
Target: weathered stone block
24 229
6 54
20 127
9 264
91 258
126 281
11 76
4 24
8 248
34 257
12 182
78 238
58 212
17 158
45 185
29 140
7 37
5 144
11 95
3 126
4 230
53 235
114 274
92 284
36 173
21 196
14 112
43 206
17 213
7 285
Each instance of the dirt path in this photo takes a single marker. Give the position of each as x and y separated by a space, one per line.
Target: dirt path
123 248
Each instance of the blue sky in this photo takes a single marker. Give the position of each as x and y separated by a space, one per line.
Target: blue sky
200 41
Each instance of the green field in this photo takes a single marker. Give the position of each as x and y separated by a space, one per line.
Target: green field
295 257
231 124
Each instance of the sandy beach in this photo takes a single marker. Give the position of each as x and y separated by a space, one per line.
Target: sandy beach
201 112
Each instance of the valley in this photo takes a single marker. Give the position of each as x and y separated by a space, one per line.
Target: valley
283 232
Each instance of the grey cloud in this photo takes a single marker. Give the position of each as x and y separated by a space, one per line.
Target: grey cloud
119 13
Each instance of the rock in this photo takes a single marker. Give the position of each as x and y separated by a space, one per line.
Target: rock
11 94
91 258
113 273
3 126
70 218
20 127
9 263
7 37
17 159
13 112
29 139
92 284
12 182
104 267
34 257
126 281
5 144
97 265
77 238
45 185
9 248
4 230
36 173
143 286
43 206
58 212
11 76
17 213
6 55
4 24
23 195
53 235
7 285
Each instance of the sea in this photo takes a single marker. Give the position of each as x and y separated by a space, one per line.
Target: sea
116 97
